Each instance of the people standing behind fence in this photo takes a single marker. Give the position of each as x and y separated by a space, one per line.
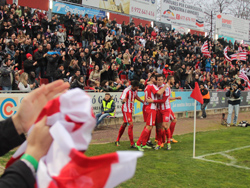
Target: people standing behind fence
107 109
233 95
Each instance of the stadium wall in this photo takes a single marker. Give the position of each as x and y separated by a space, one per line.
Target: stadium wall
182 108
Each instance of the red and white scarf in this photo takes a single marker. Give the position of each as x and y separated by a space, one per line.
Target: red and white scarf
23 22
72 120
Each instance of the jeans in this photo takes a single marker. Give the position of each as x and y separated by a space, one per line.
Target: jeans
100 117
236 109
183 83
6 88
203 109
208 69
85 43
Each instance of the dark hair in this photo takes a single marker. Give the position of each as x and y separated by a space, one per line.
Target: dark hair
152 76
135 83
158 76
169 78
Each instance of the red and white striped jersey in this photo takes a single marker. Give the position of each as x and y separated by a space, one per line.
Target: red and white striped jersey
150 92
130 95
166 105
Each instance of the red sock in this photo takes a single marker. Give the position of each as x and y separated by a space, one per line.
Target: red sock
168 133
163 135
130 134
156 134
121 131
149 135
159 135
139 142
143 138
172 127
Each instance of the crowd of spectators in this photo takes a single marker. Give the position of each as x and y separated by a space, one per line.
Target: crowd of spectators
99 55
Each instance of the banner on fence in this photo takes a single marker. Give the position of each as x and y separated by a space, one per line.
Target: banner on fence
63 8
9 103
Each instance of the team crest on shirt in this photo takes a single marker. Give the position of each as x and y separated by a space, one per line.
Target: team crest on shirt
167 118
129 119
153 122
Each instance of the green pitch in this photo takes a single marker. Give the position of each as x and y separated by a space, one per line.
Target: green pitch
177 168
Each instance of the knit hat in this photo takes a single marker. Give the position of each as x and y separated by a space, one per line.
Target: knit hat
28 55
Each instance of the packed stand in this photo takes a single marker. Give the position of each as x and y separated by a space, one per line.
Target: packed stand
97 54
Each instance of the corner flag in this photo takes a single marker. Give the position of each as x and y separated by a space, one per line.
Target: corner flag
196 94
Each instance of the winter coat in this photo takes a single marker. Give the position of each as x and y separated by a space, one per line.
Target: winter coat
6 75
51 65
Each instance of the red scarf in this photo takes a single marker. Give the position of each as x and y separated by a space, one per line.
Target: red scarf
23 22
29 24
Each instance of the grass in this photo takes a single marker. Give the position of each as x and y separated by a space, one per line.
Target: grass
177 169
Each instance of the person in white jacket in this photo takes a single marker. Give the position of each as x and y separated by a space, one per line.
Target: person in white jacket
23 83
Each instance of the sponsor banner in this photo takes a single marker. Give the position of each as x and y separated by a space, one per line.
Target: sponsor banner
93 3
9 103
141 8
186 104
122 6
144 8
63 8
230 26
181 14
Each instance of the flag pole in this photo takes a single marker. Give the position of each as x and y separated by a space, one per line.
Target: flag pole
194 128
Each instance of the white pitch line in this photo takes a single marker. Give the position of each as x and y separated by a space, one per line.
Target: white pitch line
227 164
227 151
233 160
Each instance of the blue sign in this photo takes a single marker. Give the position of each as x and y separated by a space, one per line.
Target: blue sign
63 8
185 104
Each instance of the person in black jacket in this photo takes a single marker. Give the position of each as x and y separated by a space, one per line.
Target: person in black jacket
60 73
21 174
52 63
29 64
39 56
206 100
233 95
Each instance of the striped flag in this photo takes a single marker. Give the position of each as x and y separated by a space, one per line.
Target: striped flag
225 54
240 49
243 76
204 50
72 121
242 56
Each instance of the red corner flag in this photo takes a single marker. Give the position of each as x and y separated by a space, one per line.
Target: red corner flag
196 94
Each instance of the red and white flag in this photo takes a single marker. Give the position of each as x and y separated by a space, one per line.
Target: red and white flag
243 76
240 49
204 50
242 56
225 54
72 120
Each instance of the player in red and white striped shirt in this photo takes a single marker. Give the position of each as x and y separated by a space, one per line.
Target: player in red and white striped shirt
149 113
173 119
128 97
164 115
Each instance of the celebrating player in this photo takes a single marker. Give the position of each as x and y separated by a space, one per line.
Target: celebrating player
149 112
164 115
128 96
173 119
